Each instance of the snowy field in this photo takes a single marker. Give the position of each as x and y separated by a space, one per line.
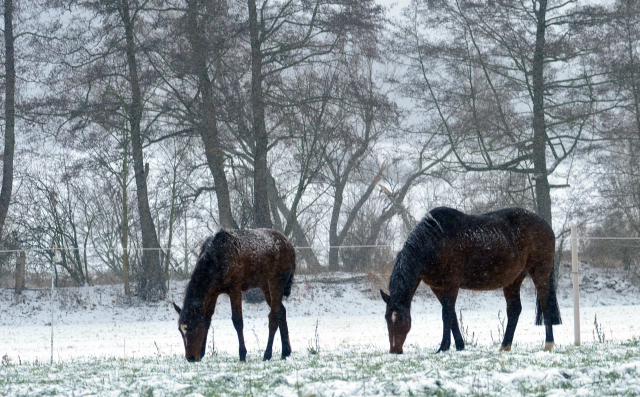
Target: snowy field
107 345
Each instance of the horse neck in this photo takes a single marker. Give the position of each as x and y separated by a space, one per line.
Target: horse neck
418 250
199 286
404 279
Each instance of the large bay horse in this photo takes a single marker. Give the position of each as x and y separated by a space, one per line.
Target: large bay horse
230 262
449 250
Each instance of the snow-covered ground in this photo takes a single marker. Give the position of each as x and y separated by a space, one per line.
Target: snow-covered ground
337 313
99 321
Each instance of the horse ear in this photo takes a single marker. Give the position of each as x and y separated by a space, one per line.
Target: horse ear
176 307
385 297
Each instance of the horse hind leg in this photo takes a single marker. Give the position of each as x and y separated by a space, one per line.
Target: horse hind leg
547 308
284 332
514 308
238 324
282 318
274 299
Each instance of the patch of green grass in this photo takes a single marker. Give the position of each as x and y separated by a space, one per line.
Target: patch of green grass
613 375
477 371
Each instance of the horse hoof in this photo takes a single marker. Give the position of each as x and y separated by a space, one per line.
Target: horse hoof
506 348
243 353
548 346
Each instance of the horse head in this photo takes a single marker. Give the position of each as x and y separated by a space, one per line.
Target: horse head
398 322
194 330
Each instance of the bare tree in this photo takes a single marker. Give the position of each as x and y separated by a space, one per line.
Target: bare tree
110 88
373 114
200 18
506 82
58 219
151 282
282 36
308 129
618 58
173 187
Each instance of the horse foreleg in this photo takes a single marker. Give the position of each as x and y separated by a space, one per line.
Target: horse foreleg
236 317
447 299
446 329
284 332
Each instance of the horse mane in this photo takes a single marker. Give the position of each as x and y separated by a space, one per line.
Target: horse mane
212 263
416 252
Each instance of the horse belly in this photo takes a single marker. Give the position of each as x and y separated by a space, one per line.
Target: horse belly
489 273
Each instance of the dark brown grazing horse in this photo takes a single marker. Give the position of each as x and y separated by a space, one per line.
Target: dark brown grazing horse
449 250
230 262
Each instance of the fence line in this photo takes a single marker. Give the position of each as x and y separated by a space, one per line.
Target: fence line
298 248
575 272
607 238
173 248
77 249
346 246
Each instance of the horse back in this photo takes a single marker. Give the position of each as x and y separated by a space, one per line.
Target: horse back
488 251
258 255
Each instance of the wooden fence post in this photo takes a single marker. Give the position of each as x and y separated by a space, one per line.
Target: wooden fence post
576 282
20 272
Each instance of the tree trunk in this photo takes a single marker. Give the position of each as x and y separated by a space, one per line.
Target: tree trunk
151 284
298 234
124 241
9 114
542 188
75 253
334 239
172 215
186 246
260 166
209 128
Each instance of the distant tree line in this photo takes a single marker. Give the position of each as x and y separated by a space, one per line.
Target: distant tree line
135 128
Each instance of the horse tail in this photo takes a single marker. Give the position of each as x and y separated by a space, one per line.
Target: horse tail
538 311
287 288
552 301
